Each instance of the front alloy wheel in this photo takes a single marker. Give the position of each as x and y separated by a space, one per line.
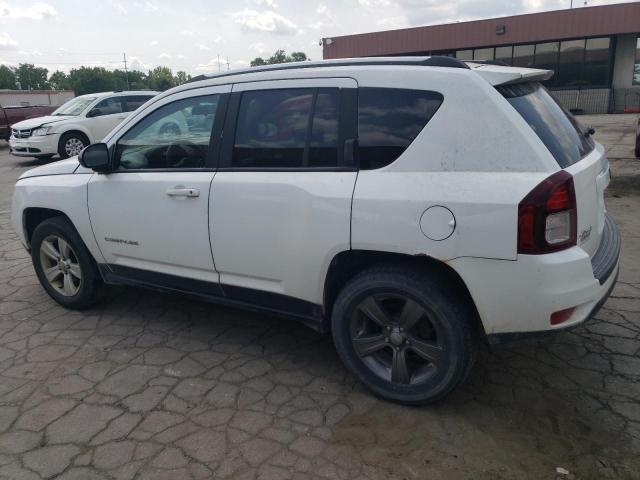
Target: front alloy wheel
73 146
60 265
63 264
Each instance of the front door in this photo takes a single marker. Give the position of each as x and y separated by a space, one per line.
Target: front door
280 205
150 216
104 117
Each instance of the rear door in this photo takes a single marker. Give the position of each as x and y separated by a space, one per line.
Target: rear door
280 203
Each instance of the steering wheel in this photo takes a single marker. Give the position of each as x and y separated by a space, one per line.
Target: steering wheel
177 154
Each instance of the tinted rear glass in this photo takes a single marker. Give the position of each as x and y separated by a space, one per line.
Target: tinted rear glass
557 128
389 119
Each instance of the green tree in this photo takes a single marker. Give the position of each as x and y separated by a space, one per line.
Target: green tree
298 57
59 80
280 56
181 77
258 61
85 80
160 78
7 77
31 77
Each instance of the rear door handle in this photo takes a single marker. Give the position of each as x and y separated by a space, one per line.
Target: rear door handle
183 192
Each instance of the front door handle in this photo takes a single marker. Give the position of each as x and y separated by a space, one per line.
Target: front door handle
183 192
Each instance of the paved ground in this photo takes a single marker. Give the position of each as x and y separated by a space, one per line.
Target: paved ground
157 387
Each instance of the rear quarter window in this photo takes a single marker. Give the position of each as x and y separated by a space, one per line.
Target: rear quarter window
389 119
561 133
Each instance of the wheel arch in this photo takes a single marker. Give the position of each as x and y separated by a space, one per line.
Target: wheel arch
347 264
34 216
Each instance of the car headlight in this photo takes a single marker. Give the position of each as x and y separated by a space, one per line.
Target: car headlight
40 131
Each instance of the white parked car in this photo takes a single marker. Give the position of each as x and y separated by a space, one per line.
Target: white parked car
76 124
414 207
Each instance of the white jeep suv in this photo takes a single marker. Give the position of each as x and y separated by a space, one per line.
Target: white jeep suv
79 122
414 207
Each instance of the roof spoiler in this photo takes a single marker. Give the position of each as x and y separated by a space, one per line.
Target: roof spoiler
503 75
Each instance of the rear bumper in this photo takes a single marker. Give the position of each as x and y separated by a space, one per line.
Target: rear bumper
515 299
36 145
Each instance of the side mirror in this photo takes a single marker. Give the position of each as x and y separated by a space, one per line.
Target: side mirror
96 157
96 112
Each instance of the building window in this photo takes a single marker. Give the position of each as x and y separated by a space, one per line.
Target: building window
579 63
547 59
464 55
569 72
504 54
636 67
523 56
483 54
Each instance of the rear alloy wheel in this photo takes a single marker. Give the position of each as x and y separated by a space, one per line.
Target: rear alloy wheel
406 334
393 336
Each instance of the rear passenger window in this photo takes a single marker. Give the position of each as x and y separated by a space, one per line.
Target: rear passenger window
135 101
389 119
295 128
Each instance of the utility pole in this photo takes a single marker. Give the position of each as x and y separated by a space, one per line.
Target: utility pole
227 63
126 73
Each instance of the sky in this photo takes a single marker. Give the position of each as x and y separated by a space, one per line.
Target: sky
191 35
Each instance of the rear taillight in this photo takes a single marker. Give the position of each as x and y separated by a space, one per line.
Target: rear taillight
547 216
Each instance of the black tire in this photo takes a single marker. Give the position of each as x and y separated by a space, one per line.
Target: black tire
445 328
89 286
75 138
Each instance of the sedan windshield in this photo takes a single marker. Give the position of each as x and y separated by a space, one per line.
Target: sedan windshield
74 106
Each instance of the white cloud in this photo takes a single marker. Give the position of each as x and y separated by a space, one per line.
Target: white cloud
7 43
258 47
31 53
187 33
164 55
37 11
136 64
211 66
153 43
265 21
324 18
203 48
267 3
374 3
150 7
118 7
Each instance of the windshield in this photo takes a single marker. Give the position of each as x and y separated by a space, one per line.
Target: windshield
557 128
74 107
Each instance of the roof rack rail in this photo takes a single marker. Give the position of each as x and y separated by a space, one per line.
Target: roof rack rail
434 61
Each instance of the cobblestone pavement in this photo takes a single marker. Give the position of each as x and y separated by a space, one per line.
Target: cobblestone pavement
152 386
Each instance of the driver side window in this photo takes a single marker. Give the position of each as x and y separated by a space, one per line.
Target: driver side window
108 106
174 136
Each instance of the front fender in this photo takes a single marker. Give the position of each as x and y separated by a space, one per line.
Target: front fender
64 193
